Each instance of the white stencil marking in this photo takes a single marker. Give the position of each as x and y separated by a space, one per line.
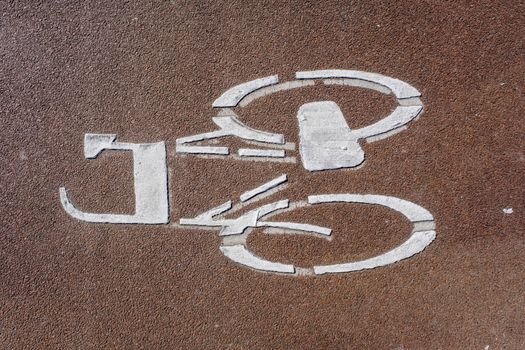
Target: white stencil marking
202 150
398 87
417 242
150 180
241 255
268 90
296 227
264 187
413 212
272 153
233 95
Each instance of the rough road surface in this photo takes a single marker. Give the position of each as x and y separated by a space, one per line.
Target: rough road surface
150 71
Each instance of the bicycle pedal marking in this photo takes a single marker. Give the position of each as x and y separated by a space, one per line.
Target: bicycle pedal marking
326 142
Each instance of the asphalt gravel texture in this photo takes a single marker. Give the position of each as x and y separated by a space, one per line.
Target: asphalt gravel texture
149 71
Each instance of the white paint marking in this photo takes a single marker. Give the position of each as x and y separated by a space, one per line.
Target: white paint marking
412 211
234 240
216 210
419 216
415 244
268 90
240 224
249 152
411 101
229 226
272 207
263 188
296 227
238 229
291 160
212 218
304 271
241 255
285 209
326 141
261 196
234 127
399 117
291 232
358 83
290 146
229 125
202 150
94 144
385 135
424 226
400 88
151 182
265 210
202 137
233 95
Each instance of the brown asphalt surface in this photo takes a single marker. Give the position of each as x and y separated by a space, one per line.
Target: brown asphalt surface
149 71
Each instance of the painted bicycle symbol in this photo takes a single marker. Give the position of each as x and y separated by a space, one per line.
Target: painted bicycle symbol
326 143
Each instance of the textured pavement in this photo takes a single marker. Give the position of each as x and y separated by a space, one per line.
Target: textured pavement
149 72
